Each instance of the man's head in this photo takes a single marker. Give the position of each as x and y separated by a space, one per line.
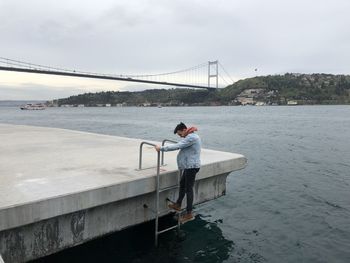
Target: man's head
180 129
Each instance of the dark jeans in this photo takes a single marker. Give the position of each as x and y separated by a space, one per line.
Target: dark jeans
186 187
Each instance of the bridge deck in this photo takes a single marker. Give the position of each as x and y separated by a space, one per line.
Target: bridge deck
100 76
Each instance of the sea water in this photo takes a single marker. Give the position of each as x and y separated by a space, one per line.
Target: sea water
290 204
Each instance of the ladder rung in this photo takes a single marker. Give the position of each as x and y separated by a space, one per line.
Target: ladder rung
167 229
168 188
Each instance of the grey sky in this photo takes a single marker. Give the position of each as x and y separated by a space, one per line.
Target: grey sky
153 36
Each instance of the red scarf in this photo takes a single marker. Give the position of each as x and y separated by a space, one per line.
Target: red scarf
190 130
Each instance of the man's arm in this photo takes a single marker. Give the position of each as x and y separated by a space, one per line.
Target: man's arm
184 143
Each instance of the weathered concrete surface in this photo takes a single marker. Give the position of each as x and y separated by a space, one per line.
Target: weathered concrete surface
59 188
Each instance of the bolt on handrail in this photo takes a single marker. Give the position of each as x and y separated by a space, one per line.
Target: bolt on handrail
163 143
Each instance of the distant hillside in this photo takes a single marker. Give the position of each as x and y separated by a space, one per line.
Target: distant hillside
166 97
304 88
270 90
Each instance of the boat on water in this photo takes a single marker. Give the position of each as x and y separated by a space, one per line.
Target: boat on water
31 106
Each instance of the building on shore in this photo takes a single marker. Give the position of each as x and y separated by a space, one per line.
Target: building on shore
292 102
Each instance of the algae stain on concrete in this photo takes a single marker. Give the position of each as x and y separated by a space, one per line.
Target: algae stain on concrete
77 226
46 238
15 248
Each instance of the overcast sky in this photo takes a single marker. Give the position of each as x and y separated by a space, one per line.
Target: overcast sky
155 36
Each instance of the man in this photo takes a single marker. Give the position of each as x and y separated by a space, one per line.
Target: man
188 161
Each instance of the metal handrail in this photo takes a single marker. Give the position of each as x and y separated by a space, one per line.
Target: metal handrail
157 185
140 155
163 143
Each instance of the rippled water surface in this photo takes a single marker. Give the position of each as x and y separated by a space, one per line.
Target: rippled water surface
290 204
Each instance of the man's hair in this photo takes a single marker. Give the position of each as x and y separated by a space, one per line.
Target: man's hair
181 126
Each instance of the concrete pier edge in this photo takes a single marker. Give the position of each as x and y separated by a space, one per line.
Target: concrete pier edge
90 187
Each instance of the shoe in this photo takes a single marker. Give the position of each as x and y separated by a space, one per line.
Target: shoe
186 218
175 206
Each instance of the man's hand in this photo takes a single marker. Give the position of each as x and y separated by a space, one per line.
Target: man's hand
157 147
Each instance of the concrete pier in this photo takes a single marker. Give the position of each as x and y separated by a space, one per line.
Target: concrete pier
60 188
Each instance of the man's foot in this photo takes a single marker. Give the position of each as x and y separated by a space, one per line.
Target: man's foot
175 206
186 217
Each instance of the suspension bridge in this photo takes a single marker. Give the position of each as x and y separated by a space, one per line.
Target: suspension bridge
202 76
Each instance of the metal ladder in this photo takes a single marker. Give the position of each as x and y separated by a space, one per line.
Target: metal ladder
159 190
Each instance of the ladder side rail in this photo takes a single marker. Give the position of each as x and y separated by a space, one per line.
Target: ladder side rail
157 185
178 180
157 201
158 189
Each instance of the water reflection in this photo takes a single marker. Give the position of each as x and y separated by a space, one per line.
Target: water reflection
198 241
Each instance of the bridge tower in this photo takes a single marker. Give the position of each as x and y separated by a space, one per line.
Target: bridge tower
213 72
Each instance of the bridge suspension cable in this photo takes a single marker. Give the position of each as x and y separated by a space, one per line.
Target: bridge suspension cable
228 75
170 73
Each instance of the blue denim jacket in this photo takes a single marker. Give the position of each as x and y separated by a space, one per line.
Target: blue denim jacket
190 151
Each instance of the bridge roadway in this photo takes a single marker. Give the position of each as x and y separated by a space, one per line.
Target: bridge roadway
60 188
99 76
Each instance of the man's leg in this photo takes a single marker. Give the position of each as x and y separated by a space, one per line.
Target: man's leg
190 175
182 189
